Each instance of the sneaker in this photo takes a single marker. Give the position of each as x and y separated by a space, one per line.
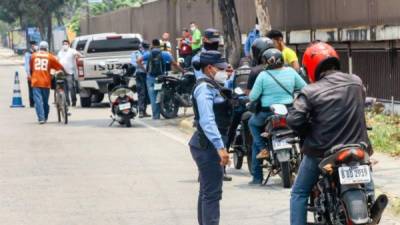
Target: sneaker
42 122
255 182
227 178
74 104
264 154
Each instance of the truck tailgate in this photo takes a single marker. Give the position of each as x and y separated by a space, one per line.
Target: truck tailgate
95 65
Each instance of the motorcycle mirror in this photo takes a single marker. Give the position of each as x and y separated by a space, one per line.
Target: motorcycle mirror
279 109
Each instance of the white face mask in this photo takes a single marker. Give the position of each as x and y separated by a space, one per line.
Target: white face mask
192 28
221 76
65 47
257 27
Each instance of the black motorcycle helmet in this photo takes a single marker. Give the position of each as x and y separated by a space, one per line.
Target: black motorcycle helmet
258 47
272 58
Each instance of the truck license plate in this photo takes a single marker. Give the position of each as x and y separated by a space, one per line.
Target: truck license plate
354 174
124 106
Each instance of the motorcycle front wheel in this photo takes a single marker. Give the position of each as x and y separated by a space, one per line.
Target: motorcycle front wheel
169 106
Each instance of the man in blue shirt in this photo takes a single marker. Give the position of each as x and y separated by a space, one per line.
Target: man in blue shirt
251 37
211 41
213 112
27 59
141 85
156 65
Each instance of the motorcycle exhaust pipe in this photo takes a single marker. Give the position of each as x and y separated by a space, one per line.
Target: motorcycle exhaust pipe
378 208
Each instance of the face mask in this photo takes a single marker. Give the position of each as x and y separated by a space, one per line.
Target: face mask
192 28
257 27
35 48
221 76
65 47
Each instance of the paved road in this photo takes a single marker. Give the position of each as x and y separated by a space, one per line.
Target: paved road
89 173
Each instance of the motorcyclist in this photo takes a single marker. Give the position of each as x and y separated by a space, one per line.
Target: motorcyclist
328 112
275 85
257 49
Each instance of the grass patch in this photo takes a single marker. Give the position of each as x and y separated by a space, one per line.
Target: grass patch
385 135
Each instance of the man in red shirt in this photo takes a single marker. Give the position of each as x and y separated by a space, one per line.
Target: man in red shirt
42 62
185 48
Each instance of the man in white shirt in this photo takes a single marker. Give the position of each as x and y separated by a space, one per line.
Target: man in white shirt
67 57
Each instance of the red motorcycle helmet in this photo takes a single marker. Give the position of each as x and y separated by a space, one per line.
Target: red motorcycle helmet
317 58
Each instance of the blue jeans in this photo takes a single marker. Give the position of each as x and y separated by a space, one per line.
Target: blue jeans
307 177
211 178
41 98
256 125
155 107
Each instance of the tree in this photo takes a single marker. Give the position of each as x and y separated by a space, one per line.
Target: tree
231 29
263 16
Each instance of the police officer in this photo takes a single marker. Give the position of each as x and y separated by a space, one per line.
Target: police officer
210 42
213 112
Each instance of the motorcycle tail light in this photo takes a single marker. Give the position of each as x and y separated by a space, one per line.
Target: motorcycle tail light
279 122
350 153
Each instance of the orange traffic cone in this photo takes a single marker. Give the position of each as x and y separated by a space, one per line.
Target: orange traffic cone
17 99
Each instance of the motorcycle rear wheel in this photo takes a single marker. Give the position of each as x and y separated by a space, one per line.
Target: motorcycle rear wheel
237 159
169 106
286 174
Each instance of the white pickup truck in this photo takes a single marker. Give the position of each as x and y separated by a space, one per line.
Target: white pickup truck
102 53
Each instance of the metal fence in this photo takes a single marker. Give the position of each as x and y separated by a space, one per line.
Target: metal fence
377 63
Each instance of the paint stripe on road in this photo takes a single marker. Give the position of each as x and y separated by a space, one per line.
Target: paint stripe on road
165 133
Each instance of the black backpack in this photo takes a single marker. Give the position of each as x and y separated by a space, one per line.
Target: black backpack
155 65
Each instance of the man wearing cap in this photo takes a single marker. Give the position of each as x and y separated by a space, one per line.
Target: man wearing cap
210 42
213 115
27 59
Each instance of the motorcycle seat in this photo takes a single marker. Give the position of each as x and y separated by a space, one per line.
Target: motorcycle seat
339 147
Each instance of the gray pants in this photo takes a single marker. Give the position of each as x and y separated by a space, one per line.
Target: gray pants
70 89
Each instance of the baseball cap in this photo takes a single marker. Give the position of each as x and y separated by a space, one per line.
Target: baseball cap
212 34
213 58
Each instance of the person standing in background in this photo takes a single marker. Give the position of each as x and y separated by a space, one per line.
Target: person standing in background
196 38
185 48
289 56
140 79
27 59
251 37
67 57
165 42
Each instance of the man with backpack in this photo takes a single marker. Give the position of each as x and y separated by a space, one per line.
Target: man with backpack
156 65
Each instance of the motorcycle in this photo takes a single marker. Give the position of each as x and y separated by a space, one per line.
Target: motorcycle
121 92
341 195
174 92
285 156
242 141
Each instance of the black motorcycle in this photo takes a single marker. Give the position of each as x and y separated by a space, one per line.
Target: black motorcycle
241 146
341 196
174 92
123 99
285 157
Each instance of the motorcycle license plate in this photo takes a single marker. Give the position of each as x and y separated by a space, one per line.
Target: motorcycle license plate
157 87
280 144
354 174
124 106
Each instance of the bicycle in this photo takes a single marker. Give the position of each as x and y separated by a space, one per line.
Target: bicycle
60 98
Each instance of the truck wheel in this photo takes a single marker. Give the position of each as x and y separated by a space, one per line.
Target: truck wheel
98 97
86 102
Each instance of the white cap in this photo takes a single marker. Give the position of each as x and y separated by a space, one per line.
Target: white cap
43 45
